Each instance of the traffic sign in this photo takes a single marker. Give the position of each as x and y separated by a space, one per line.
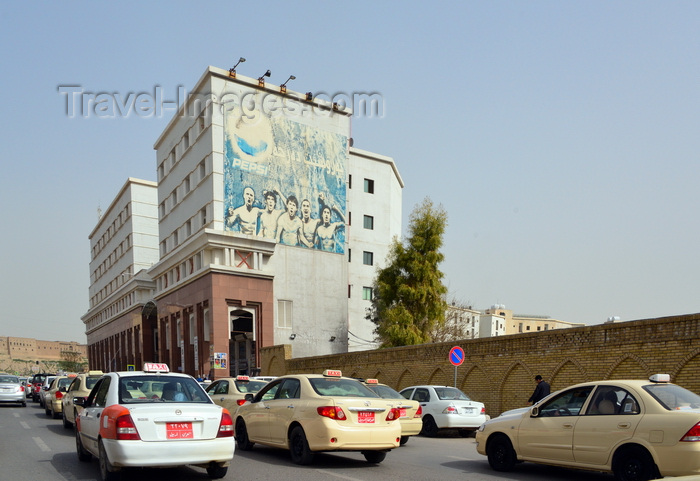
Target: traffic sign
456 356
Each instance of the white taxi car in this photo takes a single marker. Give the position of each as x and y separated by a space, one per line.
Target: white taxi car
229 392
308 413
446 407
181 426
410 411
638 430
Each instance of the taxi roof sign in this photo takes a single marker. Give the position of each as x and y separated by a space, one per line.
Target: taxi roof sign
660 378
242 378
372 381
333 373
155 367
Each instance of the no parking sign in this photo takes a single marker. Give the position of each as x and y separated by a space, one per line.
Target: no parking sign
456 357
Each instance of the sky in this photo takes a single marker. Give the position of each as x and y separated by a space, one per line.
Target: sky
561 138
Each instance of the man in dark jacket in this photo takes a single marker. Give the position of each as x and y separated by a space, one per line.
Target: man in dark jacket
541 390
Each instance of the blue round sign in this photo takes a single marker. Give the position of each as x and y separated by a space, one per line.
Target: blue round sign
456 356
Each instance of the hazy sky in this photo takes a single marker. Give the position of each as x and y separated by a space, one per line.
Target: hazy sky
562 138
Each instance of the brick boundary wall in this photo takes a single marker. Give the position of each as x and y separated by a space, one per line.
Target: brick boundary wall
500 371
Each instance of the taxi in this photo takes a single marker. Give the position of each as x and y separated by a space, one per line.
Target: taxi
636 429
53 397
229 392
78 391
182 426
308 413
410 411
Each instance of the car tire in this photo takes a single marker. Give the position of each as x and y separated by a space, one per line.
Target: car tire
66 424
107 471
242 439
299 447
83 454
374 457
216 471
47 411
404 440
634 464
54 414
430 428
500 453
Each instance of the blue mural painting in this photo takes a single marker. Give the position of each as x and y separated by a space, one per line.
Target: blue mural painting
285 180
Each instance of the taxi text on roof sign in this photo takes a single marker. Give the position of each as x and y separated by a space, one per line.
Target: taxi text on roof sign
332 373
155 367
372 381
242 378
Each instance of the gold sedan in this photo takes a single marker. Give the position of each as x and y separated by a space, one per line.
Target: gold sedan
308 413
229 392
411 411
638 430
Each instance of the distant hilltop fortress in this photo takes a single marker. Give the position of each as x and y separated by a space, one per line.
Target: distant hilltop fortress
28 349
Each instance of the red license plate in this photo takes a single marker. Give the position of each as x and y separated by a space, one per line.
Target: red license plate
365 417
179 430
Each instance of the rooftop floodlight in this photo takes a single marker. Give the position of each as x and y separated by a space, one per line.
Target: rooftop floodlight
261 79
283 87
232 70
309 96
292 336
332 339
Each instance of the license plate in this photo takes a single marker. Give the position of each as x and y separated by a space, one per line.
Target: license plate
365 417
179 430
402 412
468 411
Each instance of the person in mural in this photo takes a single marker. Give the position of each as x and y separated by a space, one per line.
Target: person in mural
270 216
245 216
325 233
289 227
308 224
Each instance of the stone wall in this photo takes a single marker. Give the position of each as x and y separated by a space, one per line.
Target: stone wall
500 371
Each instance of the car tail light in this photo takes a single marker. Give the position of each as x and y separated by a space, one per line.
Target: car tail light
58 395
126 429
419 412
693 434
394 414
483 410
226 425
241 402
450 410
332 412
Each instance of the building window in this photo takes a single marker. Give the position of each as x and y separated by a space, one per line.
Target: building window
284 314
350 181
203 216
366 293
349 291
368 258
187 139
207 325
369 222
369 186
349 255
202 170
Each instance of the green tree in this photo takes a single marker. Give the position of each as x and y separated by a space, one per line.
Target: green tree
409 297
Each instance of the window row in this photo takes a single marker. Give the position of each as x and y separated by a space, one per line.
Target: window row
368 185
188 139
189 183
182 233
112 259
180 272
114 309
119 220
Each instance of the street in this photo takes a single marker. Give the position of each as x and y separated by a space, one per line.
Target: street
36 447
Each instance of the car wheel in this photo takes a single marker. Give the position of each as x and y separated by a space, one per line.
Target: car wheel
54 414
47 411
107 471
500 453
216 471
83 455
66 424
374 457
299 447
634 464
430 429
242 440
404 440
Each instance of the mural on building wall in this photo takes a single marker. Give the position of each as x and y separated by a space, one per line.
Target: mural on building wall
285 180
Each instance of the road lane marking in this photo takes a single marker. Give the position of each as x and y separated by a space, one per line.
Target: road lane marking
331 473
42 445
24 425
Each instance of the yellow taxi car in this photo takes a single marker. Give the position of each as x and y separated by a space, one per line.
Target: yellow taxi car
638 430
181 427
308 413
410 411
229 392
78 389
53 397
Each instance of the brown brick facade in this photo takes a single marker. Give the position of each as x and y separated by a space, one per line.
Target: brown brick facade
500 371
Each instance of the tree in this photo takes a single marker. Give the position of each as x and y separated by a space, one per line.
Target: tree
457 324
408 296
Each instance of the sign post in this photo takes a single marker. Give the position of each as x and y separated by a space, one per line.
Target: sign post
456 357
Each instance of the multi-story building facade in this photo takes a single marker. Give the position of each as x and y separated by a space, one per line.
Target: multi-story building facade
256 241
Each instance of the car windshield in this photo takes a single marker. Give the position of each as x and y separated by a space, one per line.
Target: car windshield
64 382
91 381
161 388
9 379
385 391
328 386
673 397
446 393
250 386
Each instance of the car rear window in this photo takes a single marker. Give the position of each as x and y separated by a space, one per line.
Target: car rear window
340 387
250 386
448 393
673 397
385 392
9 379
152 389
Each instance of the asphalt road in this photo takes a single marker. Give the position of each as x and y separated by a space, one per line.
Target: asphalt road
36 447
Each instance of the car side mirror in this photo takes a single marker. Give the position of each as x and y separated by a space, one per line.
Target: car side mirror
80 401
534 412
248 397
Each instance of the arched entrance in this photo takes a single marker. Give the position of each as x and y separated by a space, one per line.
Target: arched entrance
242 341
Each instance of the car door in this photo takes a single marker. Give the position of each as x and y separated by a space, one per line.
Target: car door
611 418
68 399
282 409
257 417
549 436
89 419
